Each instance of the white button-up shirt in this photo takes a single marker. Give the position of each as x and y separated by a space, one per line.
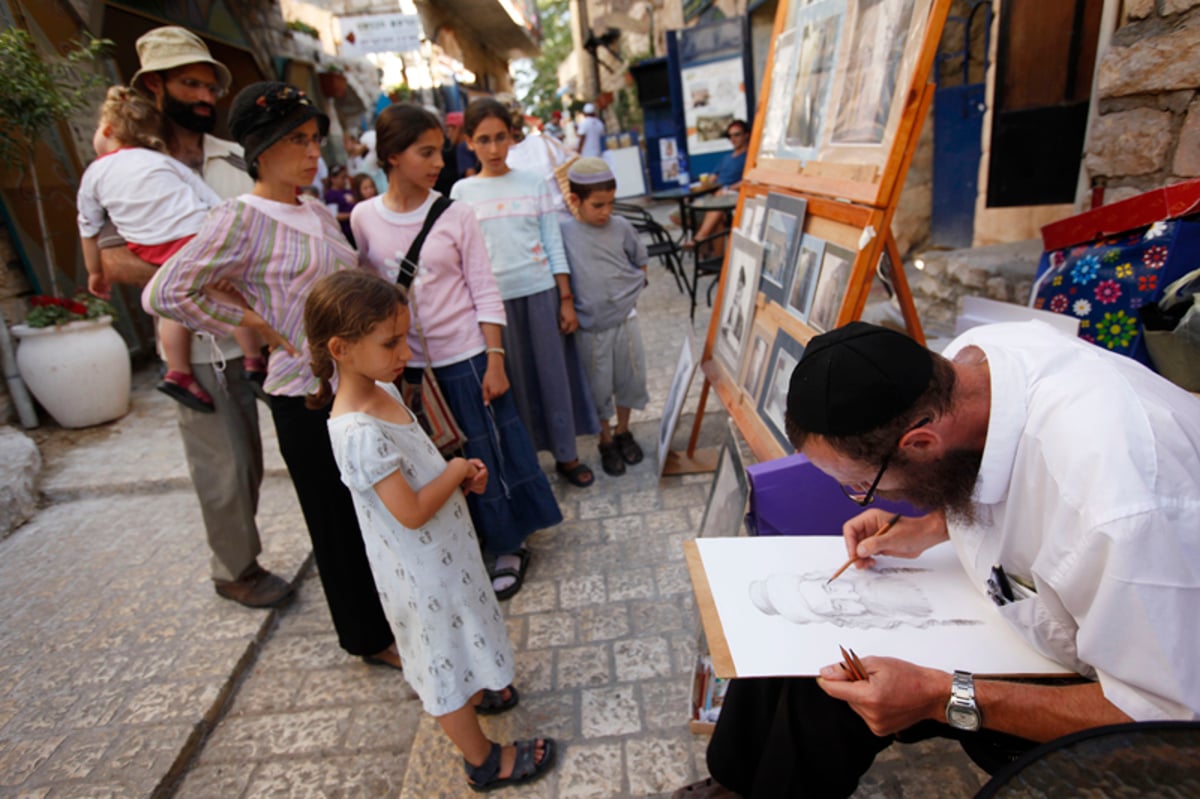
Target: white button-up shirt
1090 490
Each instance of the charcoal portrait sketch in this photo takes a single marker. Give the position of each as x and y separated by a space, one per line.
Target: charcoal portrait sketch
881 599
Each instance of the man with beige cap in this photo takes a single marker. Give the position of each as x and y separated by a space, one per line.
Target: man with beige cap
224 449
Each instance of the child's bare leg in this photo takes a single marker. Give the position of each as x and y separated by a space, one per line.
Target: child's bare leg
462 728
178 382
176 345
606 431
623 419
251 346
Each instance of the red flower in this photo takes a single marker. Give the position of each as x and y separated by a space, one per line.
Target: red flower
1108 291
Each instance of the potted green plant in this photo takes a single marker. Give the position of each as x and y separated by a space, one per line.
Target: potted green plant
73 361
37 93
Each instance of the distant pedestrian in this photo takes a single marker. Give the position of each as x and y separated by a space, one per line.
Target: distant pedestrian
363 187
416 527
591 133
608 272
341 196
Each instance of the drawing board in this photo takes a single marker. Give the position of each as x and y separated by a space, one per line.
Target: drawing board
767 599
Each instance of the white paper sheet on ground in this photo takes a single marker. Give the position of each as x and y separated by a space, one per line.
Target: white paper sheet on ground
780 618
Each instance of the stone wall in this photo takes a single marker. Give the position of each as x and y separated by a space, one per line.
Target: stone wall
1147 132
13 287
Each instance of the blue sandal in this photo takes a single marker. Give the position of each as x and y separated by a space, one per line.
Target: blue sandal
486 776
494 702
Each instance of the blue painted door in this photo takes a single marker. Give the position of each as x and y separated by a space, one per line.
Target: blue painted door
958 106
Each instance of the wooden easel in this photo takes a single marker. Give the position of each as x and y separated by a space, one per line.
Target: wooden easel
862 197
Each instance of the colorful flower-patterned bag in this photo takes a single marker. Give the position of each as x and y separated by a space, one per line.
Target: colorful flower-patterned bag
1103 283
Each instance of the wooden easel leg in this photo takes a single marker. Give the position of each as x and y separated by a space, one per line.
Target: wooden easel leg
900 285
693 461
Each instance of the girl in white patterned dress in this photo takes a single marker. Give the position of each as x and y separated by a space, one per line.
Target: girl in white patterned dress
419 538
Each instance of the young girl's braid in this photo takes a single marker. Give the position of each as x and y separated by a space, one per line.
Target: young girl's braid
347 305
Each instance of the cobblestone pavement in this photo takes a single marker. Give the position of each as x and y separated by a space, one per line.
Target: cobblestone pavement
123 675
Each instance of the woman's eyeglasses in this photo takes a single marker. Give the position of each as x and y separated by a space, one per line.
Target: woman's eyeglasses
303 139
865 498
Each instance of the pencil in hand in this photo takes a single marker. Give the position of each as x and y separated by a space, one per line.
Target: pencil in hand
854 665
886 526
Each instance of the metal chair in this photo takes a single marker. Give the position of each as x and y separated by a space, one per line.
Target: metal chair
661 245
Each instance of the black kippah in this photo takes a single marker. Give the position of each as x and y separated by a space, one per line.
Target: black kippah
855 379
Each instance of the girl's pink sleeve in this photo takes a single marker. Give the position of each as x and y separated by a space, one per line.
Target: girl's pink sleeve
477 270
220 250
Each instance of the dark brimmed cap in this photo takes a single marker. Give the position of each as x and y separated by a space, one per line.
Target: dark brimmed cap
855 379
265 112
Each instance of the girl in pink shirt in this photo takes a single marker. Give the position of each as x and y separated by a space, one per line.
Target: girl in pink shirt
454 298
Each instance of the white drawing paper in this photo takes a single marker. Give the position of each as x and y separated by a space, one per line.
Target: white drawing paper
780 617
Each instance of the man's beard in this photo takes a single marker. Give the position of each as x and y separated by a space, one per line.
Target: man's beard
184 115
946 484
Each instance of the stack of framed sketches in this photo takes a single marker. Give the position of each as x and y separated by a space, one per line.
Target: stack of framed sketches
847 89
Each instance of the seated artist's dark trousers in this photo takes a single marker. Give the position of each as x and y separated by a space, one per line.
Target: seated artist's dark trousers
785 737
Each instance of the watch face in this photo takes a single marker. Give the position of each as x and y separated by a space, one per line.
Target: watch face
963 718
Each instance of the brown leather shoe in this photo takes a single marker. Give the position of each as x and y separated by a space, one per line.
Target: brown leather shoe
256 588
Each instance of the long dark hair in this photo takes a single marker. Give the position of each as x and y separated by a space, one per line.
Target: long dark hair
485 108
398 127
347 305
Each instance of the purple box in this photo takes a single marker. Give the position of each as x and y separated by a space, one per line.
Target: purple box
790 496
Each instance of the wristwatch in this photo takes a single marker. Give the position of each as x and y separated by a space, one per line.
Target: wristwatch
961 711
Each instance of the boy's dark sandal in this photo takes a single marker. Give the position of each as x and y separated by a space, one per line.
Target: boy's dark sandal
578 475
611 459
517 574
494 702
486 776
630 451
371 660
184 389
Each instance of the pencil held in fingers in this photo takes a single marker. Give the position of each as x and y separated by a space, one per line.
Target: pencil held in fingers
853 665
886 526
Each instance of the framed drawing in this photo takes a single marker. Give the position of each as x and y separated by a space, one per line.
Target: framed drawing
772 404
781 236
831 287
726 507
754 364
685 368
737 301
804 277
781 89
753 211
818 34
868 94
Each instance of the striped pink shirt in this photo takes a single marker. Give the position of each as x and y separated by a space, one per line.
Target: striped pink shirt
273 259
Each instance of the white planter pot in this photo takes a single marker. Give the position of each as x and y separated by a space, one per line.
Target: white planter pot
79 372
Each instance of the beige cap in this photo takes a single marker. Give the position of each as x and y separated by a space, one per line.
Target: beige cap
170 47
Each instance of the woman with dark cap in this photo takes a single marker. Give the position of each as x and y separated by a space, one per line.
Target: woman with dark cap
253 264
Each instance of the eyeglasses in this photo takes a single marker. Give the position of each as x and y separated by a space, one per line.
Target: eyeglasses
194 85
733 133
303 139
865 498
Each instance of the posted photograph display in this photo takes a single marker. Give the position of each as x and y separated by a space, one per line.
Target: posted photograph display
772 404
781 237
836 264
754 364
818 35
713 96
685 369
804 277
737 301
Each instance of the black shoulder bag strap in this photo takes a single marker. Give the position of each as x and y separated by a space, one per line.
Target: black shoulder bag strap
408 267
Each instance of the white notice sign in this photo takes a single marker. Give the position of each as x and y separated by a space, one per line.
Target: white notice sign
379 33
